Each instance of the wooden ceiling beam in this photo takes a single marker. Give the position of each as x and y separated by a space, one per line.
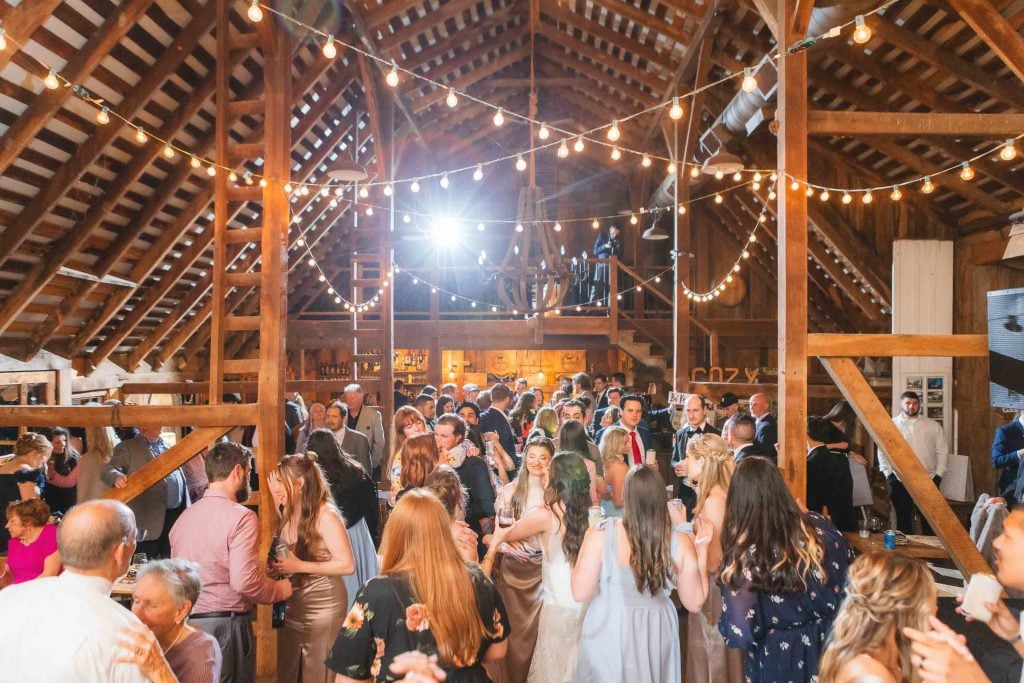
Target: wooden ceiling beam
417 89
596 73
48 102
1001 37
480 33
21 21
541 82
634 73
463 83
627 10
71 171
829 122
424 25
588 87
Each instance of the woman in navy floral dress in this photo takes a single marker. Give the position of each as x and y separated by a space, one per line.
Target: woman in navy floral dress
782 578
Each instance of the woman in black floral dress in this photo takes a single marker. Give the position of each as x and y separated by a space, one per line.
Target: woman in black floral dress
783 572
427 599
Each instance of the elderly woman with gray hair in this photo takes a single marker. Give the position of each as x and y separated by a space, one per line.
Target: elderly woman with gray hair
165 592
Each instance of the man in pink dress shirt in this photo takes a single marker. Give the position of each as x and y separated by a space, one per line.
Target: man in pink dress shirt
223 537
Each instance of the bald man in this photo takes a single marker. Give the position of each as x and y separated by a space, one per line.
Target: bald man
767 428
696 425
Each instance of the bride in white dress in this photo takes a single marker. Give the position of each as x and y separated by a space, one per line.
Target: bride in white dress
560 524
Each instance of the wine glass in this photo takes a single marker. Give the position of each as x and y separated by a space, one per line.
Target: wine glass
505 517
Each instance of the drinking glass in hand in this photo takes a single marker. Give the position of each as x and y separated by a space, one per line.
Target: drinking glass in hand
505 517
139 559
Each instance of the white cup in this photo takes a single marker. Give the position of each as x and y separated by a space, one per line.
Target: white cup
651 457
981 588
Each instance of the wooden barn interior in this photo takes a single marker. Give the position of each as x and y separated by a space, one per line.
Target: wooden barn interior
180 218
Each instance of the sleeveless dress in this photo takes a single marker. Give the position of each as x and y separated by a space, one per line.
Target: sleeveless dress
627 635
313 618
558 634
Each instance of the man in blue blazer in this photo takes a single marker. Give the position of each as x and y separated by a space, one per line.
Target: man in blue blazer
1007 450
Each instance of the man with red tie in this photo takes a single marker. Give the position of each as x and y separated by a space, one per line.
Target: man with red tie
631 419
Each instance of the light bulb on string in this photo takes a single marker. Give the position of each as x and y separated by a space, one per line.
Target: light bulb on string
140 135
168 151
755 186
304 190
211 170
364 192
861 32
519 227
682 209
194 162
563 150
103 116
868 197
254 11
676 112
633 220
544 133
480 227
478 174
771 195
499 118
1008 151
520 163
795 185
445 182
578 145
595 224
406 218
737 176
896 195
388 190
749 83
847 198
928 186
809 191
392 78
233 177
671 169
719 175
414 186
613 132
557 227
369 211
3 39
51 81
694 171
824 195
616 154
645 160
718 198
248 178
452 100
757 176
330 51
263 182
966 172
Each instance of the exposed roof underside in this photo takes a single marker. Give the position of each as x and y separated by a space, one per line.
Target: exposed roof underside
79 196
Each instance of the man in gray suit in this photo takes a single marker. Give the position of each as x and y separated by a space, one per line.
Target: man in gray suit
158 507
367 421
351 442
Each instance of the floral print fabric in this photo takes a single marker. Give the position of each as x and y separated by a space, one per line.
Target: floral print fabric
386 620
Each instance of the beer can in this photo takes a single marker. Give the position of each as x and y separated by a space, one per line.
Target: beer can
890 540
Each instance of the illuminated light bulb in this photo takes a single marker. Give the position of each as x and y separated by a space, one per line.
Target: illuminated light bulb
263 182
338 191
729 278
809 191
966 172
415 186
847 198
140 135
772 195
369 211
563 150
613 132
311 262
755 186
103 116
896 194
868 197
452 100
520 163
392 78
478 174
300 241
3 39
657 278
595 224
494 309
671 168
824 195
304 190
719 175
558 227
519 227
544 133
169 153
211 170
364 192
578 145
406 218
737 176
233 177
928 187
645 160
795 185
388 190
682 209
862 32
745 254
773 177
193 162
695 171
633 219
51 81
254 11
1009 151
248 178
757 176
499 118
337 299
676 112
330 51
445 183
749 83
480 227
718 198
616 154
288 188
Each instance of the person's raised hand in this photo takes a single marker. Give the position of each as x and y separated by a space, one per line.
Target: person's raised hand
121 481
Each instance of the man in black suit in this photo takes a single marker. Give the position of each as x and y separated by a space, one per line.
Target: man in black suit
742 431
1007 451
351 442
611 396
767 428
696 425
829 481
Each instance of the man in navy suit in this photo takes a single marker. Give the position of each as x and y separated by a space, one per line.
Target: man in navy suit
631 419
767 428
1007 451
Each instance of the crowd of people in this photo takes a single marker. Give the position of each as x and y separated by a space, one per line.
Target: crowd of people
526 540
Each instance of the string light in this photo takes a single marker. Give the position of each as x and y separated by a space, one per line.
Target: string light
749 83
140 135
520 163
389 190
557 227
676 112
103 116
718 198
452 100
478 174
645 160
896 194
862 32
193 161
928 187
847 198
868 197
499 118
543 133
392 78
795 185
51 81
616 154
613 132
414 186
695 171
671 168
563 150
519 227
595 224
966 172
824 196
364 192
1009 151
578 145
3 39
719 175
168 152
330 51
809 191
445 182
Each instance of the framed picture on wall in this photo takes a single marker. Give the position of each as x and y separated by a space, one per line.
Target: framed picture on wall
915 383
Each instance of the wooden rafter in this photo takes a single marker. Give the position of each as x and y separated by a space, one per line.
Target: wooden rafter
995 30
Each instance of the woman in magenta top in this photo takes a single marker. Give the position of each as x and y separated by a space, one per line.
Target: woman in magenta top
32 550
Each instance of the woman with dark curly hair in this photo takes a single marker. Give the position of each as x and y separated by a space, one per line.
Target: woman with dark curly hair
560 525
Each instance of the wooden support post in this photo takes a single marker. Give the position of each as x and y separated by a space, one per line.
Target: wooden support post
933 505
792 258
613 298
168 461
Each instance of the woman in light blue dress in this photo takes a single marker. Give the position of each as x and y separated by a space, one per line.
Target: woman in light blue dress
626 570
614 448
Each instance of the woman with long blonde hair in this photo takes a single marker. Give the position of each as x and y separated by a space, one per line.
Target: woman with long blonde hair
709 464
101 442
780 566
408 422
885 593
428 599
614 448
316 554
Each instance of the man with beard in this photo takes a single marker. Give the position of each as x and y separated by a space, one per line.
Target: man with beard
223 536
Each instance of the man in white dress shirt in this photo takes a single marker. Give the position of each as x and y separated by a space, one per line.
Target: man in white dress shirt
929 443
66 628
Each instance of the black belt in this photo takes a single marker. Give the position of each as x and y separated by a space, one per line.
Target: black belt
218 615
